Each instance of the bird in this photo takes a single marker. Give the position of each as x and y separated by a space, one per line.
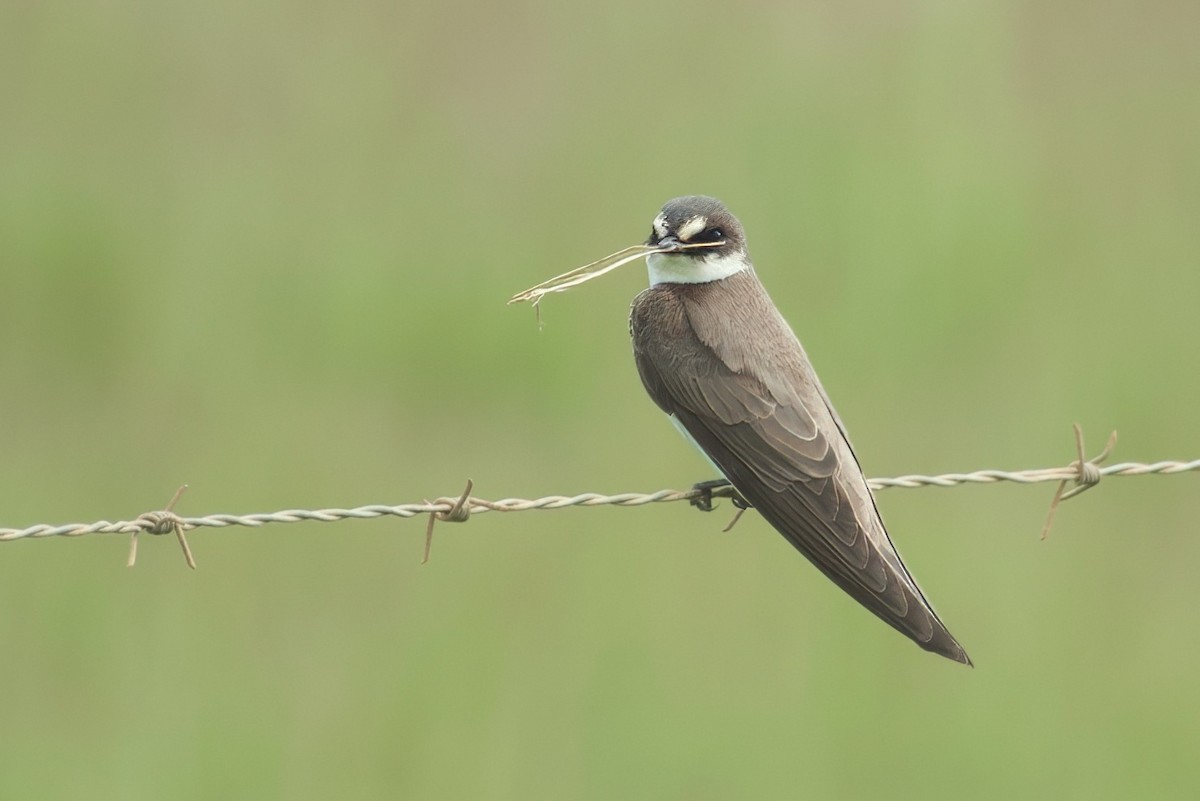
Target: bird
716 355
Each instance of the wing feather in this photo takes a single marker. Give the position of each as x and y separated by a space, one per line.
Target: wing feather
776 438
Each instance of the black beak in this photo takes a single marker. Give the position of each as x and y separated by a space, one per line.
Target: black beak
670 244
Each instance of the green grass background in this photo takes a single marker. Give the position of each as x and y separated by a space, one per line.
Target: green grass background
264 248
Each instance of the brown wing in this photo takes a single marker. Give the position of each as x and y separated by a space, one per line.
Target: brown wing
774 435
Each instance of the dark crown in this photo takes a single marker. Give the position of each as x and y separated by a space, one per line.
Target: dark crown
695 219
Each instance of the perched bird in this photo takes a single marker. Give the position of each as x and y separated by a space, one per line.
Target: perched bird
716 355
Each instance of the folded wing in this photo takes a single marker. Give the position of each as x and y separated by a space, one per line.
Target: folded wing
779 442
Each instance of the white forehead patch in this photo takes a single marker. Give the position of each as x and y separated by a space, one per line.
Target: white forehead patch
692 227
660 226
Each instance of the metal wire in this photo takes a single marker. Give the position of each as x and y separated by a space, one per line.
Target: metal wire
460 508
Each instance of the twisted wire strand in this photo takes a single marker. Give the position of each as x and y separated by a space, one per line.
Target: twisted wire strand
460 508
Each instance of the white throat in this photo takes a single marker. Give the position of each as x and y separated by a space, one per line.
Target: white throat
677 268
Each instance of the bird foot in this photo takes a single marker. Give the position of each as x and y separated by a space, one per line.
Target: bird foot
704 501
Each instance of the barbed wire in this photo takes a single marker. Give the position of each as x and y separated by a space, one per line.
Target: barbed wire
1084 473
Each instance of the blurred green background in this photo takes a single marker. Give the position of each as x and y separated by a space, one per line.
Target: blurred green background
264 249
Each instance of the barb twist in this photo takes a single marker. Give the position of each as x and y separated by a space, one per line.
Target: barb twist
164 522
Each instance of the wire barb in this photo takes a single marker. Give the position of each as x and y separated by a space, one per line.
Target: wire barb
1087 475
459 512
161 522
741 510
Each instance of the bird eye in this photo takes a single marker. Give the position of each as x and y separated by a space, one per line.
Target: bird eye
709 235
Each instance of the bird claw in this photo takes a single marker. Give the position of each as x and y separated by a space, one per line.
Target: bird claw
704 500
